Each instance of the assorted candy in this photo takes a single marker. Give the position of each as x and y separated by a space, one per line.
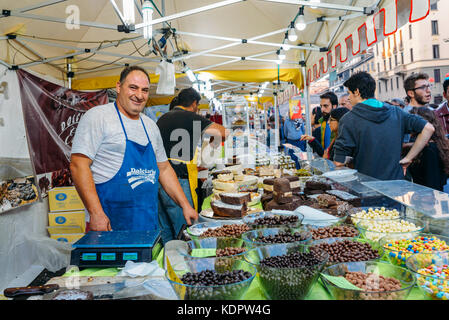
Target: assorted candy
376 229
435 281
374 214
399 250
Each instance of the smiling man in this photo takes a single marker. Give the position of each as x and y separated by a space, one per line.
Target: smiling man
118 158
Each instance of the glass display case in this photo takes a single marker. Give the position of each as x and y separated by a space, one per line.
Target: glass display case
429 205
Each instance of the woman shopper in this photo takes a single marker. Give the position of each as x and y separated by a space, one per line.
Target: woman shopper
431 166
315 120
335 116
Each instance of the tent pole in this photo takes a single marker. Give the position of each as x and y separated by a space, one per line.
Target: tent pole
307 103
320 5
276 122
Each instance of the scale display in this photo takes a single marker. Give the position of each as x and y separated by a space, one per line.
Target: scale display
115 248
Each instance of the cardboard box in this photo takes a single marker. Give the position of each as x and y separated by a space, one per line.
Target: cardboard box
70 238
65 219
65 230
64 199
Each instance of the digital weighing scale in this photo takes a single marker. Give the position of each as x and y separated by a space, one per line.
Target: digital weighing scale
107 249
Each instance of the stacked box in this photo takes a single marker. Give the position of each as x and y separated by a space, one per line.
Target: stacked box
66 218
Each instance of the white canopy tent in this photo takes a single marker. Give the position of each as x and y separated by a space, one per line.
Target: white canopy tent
234 41
80 41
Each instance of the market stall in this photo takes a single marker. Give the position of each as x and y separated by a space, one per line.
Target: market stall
254 180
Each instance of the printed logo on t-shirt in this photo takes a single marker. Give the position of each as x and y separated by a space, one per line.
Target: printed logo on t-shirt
138 176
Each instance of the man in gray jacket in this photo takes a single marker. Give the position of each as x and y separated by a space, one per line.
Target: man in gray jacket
372 133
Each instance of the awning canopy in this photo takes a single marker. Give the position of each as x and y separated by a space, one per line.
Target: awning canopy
234 41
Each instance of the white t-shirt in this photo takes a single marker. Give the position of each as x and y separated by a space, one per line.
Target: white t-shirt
100 137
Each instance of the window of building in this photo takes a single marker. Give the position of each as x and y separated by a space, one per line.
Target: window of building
402 57
385 65
434 27
395 60
410 31
434 6
386 86
389 62
378 67
380 87
437 75
438 99
436 51
397 83
411 55
391 84
377 49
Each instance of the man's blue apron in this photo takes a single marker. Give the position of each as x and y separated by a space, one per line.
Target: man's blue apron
129 199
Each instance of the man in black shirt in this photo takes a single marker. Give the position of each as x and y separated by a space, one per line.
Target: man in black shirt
181 130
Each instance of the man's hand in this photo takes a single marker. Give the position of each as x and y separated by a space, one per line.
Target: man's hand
190 215
306 137
405 162
99 222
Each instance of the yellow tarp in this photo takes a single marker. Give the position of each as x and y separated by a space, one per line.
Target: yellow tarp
99 83
258 75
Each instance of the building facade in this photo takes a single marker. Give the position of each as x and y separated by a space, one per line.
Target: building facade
421 47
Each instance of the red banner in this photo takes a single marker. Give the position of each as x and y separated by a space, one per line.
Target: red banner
51 115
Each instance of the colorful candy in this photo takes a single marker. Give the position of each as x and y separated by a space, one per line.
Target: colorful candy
434 280
399 250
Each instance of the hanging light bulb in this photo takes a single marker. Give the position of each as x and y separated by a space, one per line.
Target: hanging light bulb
314 1
281 54
147 13
300 21
128 12
292 36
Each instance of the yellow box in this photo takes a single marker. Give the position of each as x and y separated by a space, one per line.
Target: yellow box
65 230
70 238
65 219
64 199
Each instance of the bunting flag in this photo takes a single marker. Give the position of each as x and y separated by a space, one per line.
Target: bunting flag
374 28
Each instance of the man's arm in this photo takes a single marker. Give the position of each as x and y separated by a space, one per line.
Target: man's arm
85 186
217 131
421 140
169 182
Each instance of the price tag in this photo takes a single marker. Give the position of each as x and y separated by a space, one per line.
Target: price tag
341 282
180 290
203 252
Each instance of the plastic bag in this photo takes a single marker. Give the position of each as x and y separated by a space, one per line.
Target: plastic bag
51 254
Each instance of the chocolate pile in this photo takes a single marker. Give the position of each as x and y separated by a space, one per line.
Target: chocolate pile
284 237
229 251
334 232
212 278
289 277
274 220
227 230
347 251
282 194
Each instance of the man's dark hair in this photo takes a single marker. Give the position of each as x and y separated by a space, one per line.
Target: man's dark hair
338 113
409 82
364 82
446 85
128 70
331 96
318 114
185 98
